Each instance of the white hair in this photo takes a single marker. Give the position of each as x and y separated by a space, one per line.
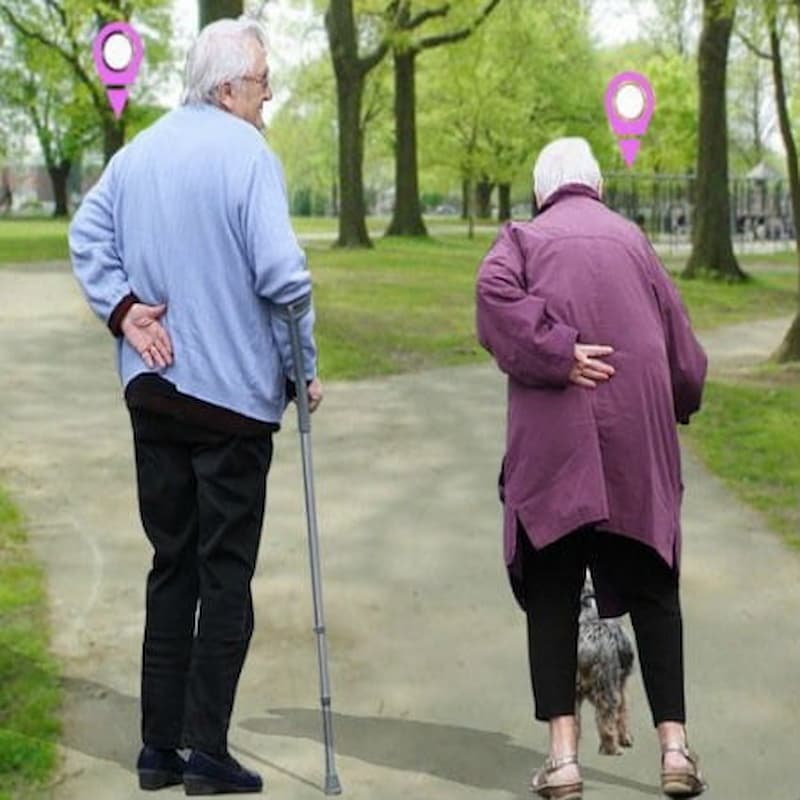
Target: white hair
563 161
222 52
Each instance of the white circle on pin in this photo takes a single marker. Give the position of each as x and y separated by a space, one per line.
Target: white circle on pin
630 101
117 51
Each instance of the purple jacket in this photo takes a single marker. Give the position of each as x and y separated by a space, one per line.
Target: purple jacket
607 456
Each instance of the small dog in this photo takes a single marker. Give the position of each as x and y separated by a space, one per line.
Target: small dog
605 661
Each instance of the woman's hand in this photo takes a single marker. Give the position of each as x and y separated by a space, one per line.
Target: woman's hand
588 369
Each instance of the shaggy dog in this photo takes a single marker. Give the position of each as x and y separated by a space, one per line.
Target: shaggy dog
605 661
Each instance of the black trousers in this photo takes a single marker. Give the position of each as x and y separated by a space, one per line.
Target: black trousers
552 582
201 500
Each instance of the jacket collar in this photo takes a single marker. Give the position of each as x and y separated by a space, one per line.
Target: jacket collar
570 190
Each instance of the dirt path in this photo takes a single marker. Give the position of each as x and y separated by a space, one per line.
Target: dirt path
428 662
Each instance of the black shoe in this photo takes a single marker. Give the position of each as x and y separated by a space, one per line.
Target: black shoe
159 768
207 774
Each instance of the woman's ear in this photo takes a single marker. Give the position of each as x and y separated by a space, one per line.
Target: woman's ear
600 189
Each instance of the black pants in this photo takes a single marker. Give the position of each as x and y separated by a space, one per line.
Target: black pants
201 500
553 578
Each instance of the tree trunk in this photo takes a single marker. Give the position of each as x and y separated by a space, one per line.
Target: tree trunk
113 136
210 10
407 215
58 178
469 207
350 71
789 349
483 199
352 208
465 190
503 202
712 249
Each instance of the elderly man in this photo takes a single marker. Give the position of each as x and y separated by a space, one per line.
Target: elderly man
601 361
185 248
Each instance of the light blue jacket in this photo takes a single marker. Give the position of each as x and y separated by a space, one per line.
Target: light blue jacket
193 213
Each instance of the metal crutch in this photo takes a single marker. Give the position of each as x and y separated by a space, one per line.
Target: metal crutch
292 313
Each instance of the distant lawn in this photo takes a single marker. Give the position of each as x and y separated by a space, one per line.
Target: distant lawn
24 240
29 682
713 303
406 305
409 304
748 434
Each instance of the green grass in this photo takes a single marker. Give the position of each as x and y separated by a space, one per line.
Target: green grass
748 434
712 303
25 240
44 239
29 679
406 305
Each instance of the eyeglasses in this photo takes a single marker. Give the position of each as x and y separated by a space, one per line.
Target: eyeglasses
261 80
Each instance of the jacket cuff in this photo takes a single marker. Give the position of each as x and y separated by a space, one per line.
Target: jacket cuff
119 312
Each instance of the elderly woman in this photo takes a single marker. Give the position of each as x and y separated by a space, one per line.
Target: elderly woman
601 361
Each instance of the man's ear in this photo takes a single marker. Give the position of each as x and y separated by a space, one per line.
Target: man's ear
225 95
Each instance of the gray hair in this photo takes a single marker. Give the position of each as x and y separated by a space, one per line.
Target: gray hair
220 54
563 161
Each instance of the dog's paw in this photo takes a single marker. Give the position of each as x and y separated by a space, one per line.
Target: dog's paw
609 749
626 740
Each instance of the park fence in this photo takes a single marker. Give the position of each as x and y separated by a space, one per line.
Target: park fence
663 205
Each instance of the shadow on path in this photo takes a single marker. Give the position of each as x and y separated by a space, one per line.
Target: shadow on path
469 756
104 724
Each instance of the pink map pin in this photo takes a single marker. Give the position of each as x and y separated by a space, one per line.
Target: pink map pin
630 103
117 52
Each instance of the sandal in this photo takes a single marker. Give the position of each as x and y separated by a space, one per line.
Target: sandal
686 782
544 787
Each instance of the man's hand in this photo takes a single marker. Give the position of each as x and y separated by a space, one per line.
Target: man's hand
588 369
314 395
142 328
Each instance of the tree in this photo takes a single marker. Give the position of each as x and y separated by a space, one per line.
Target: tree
789 349
766 15
57 109
351 70
712 249
407 20
491 102
64 27
210 10
671 31
752 114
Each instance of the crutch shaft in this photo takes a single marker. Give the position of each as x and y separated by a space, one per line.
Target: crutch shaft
332 784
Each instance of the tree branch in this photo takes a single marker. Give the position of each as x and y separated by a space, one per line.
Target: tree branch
753 47
59 10
367 63
424 16
457 36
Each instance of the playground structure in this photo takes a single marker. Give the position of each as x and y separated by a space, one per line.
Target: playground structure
761 210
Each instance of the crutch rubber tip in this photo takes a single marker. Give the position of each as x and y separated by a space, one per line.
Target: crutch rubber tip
332 785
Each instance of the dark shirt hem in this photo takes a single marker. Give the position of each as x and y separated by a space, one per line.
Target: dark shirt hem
153 393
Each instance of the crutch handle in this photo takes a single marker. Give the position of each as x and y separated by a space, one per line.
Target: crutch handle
292 313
